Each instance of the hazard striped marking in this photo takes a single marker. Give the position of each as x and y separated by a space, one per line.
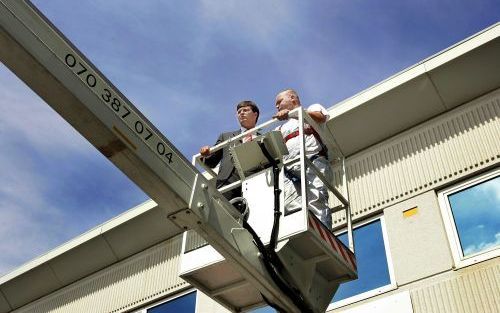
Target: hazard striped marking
337 246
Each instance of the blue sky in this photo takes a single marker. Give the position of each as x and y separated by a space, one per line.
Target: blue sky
185 64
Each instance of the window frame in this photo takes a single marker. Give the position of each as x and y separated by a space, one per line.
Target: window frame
169 298
459 259
377 291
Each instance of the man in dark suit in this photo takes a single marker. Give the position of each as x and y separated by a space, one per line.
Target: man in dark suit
248 114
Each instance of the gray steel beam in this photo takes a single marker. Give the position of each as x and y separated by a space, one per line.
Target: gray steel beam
60 74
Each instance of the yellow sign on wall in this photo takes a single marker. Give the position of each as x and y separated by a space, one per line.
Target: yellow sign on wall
410 212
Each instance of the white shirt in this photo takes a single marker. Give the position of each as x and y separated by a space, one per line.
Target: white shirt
313 146
248 137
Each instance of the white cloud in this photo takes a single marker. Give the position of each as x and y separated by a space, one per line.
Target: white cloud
489 191
23 210
257 22
483 246
492 188
24 236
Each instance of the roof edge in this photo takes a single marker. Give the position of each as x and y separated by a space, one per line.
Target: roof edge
420 68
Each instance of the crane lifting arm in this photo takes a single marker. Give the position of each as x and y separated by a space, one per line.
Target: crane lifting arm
60 74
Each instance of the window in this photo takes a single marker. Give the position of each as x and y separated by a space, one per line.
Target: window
471 212
375 274
185 303
266 309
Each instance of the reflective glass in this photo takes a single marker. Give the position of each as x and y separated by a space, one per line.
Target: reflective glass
266 309
371 258
184 304
476 211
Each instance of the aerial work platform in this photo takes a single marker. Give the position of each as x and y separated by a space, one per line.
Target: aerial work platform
61 75
316 262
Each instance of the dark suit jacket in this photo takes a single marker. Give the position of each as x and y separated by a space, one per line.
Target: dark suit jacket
227 173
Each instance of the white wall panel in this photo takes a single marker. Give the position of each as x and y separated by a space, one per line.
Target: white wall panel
397 303
412 256
149 275
426 157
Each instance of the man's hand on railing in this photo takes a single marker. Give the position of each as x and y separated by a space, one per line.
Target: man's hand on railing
205 151
308 130
282 115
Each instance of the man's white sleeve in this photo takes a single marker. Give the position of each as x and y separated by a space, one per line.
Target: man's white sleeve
318 108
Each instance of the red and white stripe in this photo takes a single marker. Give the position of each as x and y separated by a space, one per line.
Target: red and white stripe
332 241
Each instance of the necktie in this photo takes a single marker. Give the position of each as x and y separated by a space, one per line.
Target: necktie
247 138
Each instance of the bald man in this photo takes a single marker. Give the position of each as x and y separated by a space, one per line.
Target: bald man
317 195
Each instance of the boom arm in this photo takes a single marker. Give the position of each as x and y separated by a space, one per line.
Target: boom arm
50 65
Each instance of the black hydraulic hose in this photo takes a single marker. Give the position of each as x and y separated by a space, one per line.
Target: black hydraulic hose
270 270
277 213
270 258
273 305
